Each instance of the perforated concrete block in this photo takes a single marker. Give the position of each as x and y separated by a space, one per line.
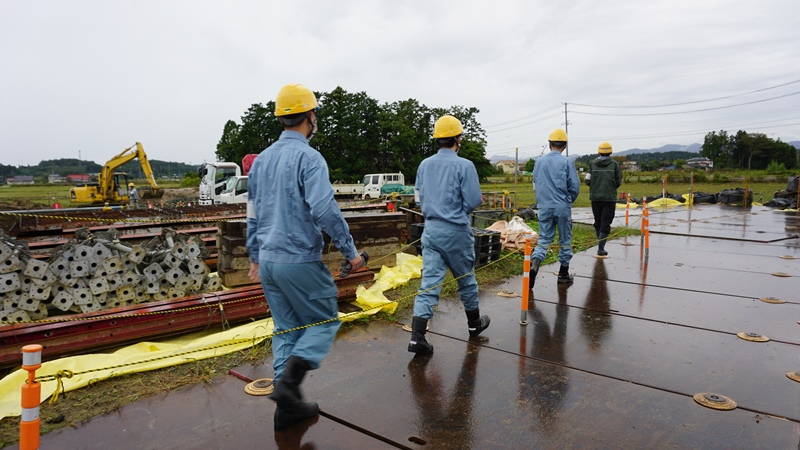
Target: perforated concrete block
82 296
9 282
35 269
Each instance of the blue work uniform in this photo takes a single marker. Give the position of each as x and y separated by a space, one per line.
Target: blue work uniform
557 187
448 190
289 203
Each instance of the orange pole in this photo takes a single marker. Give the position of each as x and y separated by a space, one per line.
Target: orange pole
627 207
526 281
29 424
644 206
746 189
646 225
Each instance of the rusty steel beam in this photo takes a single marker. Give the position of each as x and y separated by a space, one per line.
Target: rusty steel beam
113 327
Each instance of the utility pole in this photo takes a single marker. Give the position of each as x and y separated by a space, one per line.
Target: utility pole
566 126
516 171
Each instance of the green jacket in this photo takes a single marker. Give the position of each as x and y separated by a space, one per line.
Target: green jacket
606 178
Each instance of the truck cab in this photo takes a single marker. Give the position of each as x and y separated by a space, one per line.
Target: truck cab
235 190
214 178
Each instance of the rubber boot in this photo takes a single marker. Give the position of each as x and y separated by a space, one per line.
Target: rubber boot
476 322
601 245
291 407
418 344
564 276
535 262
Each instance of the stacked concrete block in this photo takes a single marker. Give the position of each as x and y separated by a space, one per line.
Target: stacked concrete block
96 272
233 262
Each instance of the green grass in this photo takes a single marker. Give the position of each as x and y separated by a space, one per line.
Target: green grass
525 197
44 195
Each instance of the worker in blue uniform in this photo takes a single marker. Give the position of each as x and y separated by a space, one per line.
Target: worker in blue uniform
447 190
290 202
557 186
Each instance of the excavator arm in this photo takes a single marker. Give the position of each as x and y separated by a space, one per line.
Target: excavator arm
107 174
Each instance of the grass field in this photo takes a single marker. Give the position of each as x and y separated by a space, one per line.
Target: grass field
525 196
45 195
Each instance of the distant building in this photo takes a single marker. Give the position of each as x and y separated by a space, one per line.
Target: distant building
20 179
77 178
508 165
55 178
700 163
630 166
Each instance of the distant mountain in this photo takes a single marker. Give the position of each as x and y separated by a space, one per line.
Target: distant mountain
795 144
692 148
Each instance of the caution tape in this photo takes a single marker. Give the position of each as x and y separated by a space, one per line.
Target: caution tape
121 219
61 374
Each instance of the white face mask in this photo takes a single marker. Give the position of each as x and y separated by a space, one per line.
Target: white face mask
313 128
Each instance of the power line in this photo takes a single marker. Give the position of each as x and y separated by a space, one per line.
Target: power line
524 118
692 111
690 103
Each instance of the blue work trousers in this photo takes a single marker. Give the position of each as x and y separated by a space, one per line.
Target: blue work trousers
299 295
442 249
549 219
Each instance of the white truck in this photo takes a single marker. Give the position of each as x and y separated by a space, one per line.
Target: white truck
223 183
235 190
370 186
213 180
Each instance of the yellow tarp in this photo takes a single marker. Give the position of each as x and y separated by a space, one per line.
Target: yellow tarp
632 205
190 347
664 202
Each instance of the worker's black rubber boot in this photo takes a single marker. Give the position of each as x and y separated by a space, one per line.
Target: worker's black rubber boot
476 322
291 407
418 344
535 262
601 245
564 276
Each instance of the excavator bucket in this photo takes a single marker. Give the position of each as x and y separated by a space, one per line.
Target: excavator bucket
148 193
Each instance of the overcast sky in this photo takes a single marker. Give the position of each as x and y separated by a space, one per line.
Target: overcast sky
89 78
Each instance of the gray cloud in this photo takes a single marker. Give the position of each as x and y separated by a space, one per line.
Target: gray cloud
96 76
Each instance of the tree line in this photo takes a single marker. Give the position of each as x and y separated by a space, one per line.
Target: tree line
359 135
68 166
751 151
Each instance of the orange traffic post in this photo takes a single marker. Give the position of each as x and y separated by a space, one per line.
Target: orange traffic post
627 207
526 281
746 189
646 226
31 396
644 207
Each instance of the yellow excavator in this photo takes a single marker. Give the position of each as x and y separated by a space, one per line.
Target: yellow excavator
112 186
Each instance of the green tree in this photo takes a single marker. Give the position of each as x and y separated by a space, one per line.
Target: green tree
227 148
718 148
529 165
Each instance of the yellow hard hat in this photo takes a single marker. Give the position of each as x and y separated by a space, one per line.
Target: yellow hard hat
558 135
447 126
130 184
294 99
604 148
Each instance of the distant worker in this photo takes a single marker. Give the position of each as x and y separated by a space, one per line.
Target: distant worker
603 179
289 203
133 195
447 190
557 186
